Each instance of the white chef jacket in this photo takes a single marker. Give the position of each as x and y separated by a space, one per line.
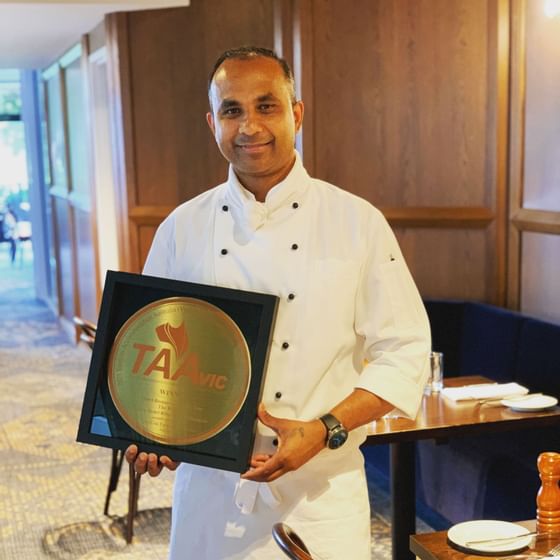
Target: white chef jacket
346 299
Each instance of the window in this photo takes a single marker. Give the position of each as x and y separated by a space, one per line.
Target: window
13 166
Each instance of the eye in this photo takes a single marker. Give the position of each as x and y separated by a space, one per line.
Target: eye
231 112
266 107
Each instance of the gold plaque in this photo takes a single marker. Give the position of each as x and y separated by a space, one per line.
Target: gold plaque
179 370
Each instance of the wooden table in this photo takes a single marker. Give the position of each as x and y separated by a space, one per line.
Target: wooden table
434 546
439 418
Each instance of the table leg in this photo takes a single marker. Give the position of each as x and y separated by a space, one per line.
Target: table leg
403 498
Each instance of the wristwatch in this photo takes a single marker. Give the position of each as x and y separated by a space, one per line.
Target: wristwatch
337 434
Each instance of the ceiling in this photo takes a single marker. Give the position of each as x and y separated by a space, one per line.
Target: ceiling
34 33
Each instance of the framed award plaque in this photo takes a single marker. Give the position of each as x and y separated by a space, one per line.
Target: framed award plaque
177 368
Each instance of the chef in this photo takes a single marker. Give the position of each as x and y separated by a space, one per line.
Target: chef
350 343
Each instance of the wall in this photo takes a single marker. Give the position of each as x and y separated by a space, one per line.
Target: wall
159 62
403 107
437 111
534 232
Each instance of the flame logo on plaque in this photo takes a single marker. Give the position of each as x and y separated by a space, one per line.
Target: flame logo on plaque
179 371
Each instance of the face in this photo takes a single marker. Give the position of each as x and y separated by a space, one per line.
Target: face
254 121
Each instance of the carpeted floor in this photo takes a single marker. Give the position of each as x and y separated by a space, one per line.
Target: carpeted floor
52 489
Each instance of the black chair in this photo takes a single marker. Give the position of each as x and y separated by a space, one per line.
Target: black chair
87 332
290 543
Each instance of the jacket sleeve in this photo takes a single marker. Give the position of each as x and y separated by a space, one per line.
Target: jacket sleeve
391 317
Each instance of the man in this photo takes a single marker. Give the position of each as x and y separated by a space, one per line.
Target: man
346 298
10 231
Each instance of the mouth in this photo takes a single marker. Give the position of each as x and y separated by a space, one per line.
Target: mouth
254 148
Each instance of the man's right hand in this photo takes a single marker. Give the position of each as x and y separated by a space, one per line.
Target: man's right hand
148 462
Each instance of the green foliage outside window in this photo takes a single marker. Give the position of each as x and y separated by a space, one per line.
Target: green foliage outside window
10 100
13 167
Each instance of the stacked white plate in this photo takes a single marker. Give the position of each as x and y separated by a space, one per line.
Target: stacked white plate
476 536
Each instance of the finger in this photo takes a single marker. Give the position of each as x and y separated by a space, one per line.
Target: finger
259 459
130 454
267 419
154 466
141 462
267 471
259 475
168 463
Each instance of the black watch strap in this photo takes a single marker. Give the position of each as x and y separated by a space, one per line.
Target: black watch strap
336 432
331 423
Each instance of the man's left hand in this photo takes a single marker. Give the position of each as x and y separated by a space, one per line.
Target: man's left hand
297 443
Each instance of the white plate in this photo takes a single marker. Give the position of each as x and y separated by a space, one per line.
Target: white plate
469 531
531 404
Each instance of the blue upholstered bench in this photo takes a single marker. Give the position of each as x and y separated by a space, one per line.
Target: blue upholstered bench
492 476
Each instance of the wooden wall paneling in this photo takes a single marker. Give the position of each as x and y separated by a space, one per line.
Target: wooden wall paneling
176 156
85 263
80 200
96 38
57 140
457 262
65 251
442 217
58 194
226 25
103 182
283 25
149 215
303 68
401 106
516 139
91 299
409 110
73 110
167 161
120 110
145 234
498 128
543 221
160 61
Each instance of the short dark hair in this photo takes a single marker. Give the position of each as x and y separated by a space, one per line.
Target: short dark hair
248 52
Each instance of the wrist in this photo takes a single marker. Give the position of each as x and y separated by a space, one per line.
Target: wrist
321 431
336 433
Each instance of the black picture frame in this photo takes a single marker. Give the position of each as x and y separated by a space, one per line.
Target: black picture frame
124 294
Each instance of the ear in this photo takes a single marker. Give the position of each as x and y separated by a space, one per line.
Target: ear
210 121
298 114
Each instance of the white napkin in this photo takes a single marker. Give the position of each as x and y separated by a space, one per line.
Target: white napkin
484 391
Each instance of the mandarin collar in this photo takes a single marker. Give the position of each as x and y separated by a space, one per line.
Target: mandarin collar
250 214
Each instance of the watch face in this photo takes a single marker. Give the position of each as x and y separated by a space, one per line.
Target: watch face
338 438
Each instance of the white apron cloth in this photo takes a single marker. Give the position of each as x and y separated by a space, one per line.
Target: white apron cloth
346 297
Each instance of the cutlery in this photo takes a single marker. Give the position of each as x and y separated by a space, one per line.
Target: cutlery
501 539
523 397
516 398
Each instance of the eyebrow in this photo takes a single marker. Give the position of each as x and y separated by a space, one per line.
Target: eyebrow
228 103
266 97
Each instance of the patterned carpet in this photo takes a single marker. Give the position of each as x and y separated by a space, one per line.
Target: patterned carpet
52 489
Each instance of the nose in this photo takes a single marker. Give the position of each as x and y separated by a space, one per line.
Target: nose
250 124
